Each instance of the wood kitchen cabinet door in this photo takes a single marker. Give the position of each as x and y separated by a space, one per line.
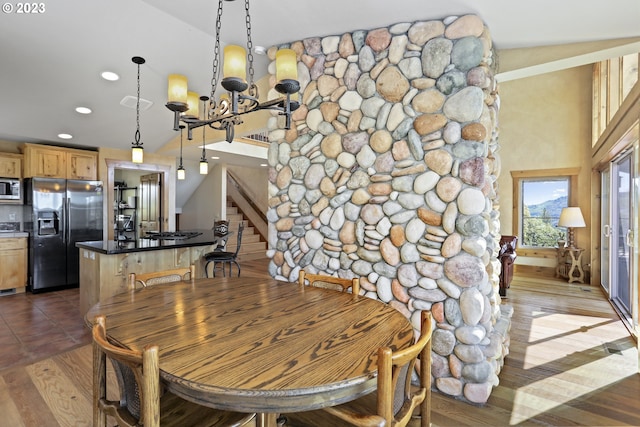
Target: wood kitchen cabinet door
45 162
82 166
10 165
13 258
53 162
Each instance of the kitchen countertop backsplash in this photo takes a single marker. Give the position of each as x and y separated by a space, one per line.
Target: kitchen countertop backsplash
9 227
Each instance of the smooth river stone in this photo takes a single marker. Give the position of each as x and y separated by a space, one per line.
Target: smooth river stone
436 57
469 353
477 393
423 31
408 275
389 252
429 217
331 145
439 161
472 172
401 295
443 342
392 85
471 201
452 133
472 306
397 235
429 123
425 182
465 105
428 101
414 230
449 386
474 245
449 288
452 245
448 188
381 141
430 269
470 334
464 270
383 288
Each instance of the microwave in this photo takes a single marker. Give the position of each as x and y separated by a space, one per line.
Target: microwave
10 189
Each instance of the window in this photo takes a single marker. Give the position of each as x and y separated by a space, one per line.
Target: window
539 197
542 202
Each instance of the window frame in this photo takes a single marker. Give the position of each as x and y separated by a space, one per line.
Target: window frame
539 174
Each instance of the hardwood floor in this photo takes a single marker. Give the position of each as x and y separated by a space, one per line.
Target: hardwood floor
571 362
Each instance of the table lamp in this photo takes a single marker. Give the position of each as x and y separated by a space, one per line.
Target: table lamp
571 218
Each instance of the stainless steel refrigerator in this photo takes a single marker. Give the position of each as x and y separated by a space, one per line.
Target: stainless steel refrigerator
60 213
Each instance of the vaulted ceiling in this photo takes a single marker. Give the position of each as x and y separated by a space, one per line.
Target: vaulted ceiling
50 62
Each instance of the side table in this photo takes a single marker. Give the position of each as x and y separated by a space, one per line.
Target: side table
570 264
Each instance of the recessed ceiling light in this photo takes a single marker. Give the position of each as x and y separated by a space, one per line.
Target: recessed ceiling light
109 75
263 164
260 50
64 136
83 110
215 157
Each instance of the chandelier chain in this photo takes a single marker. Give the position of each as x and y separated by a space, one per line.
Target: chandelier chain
137 134
216 54
249 43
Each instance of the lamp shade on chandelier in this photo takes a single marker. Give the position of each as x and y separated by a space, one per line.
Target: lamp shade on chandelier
224 112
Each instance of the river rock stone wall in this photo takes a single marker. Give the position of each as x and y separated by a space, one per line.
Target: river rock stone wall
388 173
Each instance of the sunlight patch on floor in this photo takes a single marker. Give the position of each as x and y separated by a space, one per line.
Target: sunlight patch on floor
546 351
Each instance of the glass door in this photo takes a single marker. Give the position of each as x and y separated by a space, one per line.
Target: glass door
605 232
621 233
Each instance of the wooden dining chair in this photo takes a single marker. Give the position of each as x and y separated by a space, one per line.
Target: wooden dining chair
142 400
166 276
329 282
395 401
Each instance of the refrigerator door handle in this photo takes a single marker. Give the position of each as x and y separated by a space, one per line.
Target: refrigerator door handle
67 220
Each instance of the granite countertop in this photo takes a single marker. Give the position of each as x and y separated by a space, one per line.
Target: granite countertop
110 247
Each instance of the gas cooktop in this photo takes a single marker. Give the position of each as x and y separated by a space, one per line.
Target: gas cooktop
172 235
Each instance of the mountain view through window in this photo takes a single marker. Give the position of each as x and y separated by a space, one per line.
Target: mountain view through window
543 200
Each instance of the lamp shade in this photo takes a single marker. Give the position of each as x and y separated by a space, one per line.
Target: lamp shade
235 62
286 65
177 88
137 154
181 173
571 217
204 167
193 103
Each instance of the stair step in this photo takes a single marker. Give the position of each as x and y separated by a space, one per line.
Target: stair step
246 247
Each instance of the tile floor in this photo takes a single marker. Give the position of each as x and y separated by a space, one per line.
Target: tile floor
37 326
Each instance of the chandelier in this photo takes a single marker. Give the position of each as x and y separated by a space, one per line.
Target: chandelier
225 112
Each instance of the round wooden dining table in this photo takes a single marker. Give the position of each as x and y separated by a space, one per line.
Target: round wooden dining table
257 345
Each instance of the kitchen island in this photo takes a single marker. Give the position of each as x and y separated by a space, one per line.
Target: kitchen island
105 265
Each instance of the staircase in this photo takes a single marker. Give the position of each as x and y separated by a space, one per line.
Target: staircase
252 246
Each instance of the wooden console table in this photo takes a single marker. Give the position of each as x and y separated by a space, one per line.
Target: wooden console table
570 264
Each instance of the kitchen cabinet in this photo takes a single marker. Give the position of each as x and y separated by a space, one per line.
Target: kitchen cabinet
10 165
13 258
57 162
124 208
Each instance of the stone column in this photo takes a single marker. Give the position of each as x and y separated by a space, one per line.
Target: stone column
389 174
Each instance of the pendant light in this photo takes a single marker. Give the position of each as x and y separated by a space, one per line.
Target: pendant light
204 165
137 153
181 172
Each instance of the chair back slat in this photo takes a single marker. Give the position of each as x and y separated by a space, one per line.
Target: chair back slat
329 282
158 277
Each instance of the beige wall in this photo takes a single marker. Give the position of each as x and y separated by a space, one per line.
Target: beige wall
545 123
